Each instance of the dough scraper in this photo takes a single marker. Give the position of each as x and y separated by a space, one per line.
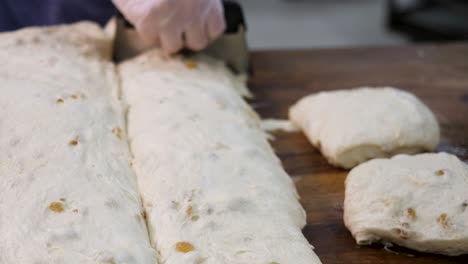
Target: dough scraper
231 47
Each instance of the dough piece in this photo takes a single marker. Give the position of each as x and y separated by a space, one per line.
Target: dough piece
67 191
419 202
352 126
213 189
271 124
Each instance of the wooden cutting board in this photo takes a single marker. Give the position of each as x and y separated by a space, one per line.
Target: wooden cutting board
436 74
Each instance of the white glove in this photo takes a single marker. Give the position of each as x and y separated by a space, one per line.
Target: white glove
174 24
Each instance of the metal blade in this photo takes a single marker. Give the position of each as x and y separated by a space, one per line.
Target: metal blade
127 42
231 47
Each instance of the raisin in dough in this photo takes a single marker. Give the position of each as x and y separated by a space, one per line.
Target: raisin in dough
67 191
213 189
419 202
352 126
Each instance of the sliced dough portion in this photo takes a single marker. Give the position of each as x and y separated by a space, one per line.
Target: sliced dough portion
352 126
67 191
419 202
213 189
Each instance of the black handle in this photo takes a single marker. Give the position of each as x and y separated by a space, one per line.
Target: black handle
233 15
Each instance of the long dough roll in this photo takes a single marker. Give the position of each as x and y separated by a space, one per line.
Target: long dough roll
212 187
67 191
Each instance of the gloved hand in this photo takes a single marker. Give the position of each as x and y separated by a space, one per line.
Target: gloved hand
174 24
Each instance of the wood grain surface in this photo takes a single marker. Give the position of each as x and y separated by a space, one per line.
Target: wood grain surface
436 74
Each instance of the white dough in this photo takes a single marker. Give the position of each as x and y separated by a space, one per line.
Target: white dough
352 126
271 124
419 202
67 192
214 191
